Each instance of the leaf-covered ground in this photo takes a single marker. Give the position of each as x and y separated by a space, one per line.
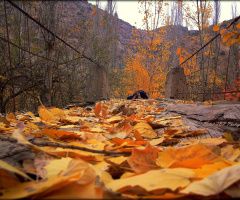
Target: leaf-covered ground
116 149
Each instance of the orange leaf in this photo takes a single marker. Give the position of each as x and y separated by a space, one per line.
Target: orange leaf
193 156
207 170
222 31
138 136
64 135
24 118
97 108
123 126
104 112
45 114
143 160
7 180
216 28
11 117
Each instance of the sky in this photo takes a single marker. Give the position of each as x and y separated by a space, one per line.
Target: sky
129 11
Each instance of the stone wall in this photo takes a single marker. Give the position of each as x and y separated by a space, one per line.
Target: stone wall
176 84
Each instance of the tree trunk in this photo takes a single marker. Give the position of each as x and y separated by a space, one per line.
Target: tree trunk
46 97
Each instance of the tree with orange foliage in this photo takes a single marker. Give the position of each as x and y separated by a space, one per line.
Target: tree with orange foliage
146 63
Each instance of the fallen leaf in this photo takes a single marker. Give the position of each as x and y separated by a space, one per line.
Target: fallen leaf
143 160
215 183
154 180
11 117
207 170
56 166
155 142
115 119
145 130
120 135
4 120
97 109
193 156
57 112
138 136
45 114
63 135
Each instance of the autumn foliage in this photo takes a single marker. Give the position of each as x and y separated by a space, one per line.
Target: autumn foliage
102 152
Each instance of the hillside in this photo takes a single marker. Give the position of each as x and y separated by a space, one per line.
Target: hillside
76 12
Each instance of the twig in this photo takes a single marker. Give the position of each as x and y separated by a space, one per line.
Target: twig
69 147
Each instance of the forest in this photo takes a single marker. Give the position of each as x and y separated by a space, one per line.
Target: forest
48 56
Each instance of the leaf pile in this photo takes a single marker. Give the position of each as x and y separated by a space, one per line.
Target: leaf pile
117 149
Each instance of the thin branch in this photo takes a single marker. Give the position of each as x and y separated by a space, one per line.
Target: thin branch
50 144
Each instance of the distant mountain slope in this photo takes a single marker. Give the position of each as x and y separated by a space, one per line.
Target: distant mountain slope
74 12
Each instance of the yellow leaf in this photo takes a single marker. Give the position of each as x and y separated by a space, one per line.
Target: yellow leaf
145 130
238 26
45 114
27 189
155 179
57 112
120 135
105 177
56 166
215 183
216 28
157 141
207 170
114 119
118 160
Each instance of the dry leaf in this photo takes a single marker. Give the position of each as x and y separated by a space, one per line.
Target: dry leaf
45 114
57 112
143 160
97 109
63 135
215 183
154 180
11 117
145 130
193 156
138 136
